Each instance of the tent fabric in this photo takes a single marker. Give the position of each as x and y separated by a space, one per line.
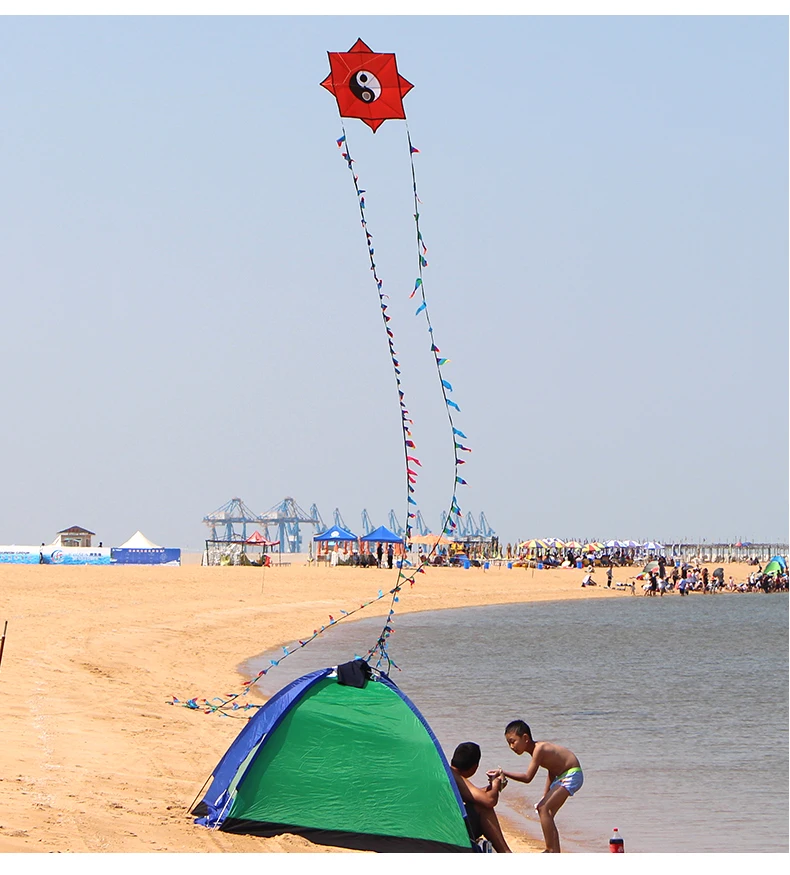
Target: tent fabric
431 539
258 538
341 765
145 556
336 533
138 541
383 535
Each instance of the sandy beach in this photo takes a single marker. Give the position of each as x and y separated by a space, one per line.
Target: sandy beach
94 759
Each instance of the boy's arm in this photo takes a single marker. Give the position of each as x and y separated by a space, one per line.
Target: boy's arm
515 776
532 769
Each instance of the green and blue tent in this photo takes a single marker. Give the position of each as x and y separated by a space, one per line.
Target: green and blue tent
353 766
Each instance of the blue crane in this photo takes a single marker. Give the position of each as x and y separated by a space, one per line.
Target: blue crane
485 530
339 521
320 526
223 521
367 525
419 524
395 526
288 518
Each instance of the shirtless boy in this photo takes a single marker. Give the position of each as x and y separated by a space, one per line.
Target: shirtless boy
479 803
564 776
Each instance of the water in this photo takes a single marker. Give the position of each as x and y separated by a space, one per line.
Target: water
676 707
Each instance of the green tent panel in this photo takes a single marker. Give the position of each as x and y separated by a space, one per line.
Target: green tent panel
350 751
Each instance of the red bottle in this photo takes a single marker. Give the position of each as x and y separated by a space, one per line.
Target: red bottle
616 845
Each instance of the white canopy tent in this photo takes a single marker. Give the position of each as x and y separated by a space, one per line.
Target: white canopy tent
138 541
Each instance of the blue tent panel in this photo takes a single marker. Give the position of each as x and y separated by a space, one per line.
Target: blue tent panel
216 798
384 535
336 533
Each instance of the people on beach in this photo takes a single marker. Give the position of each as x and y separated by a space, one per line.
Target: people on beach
563 779
479 802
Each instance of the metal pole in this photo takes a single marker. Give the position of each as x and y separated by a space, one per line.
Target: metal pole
2 641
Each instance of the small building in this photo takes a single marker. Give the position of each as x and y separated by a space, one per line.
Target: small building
74 536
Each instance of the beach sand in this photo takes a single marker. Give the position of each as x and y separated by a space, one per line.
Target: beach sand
94 759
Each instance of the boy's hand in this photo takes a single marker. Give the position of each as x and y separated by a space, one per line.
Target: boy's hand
498 776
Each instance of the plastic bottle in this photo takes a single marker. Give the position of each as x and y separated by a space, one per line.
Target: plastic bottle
616 845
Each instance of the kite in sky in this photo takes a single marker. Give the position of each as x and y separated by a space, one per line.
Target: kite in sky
367 85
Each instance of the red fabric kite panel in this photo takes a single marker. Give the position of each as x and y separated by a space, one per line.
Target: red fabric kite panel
367 85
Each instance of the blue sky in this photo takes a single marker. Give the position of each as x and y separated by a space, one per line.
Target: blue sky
189 313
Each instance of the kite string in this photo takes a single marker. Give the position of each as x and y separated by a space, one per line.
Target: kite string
445 386
229 702
407 438
454 510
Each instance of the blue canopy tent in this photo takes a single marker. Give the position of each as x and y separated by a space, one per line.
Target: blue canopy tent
382 535
338 537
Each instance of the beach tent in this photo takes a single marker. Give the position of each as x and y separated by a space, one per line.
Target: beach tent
138 541
336 534
257 539
139 550
341 759
382 535
773 567
781 562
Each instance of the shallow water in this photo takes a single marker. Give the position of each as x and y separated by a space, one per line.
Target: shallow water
676 707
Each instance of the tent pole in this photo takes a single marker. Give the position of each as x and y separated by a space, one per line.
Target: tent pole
2 641
198 793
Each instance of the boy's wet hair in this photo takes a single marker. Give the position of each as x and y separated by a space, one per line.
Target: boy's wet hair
518 727
466 755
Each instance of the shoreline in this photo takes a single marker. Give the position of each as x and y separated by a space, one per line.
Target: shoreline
95 759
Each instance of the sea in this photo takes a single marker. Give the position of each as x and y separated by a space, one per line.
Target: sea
677 709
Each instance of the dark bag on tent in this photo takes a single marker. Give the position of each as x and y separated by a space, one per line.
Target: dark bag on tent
354 674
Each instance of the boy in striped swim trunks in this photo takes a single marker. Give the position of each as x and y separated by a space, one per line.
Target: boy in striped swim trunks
564 776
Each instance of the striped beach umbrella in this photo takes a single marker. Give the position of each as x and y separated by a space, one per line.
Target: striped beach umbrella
533 544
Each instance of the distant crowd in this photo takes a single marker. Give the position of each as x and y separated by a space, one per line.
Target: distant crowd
687 580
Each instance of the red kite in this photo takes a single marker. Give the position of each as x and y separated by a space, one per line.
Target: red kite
367 85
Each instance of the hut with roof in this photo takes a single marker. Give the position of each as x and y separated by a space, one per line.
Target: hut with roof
73 536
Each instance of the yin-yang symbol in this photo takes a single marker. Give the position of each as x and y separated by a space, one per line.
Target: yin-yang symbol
365 86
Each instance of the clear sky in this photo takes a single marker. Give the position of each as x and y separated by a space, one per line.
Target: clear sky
188 313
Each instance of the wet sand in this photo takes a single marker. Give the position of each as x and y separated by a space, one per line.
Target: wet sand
94 759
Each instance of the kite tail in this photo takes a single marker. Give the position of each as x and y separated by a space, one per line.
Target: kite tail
454 511
410 461
230 704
